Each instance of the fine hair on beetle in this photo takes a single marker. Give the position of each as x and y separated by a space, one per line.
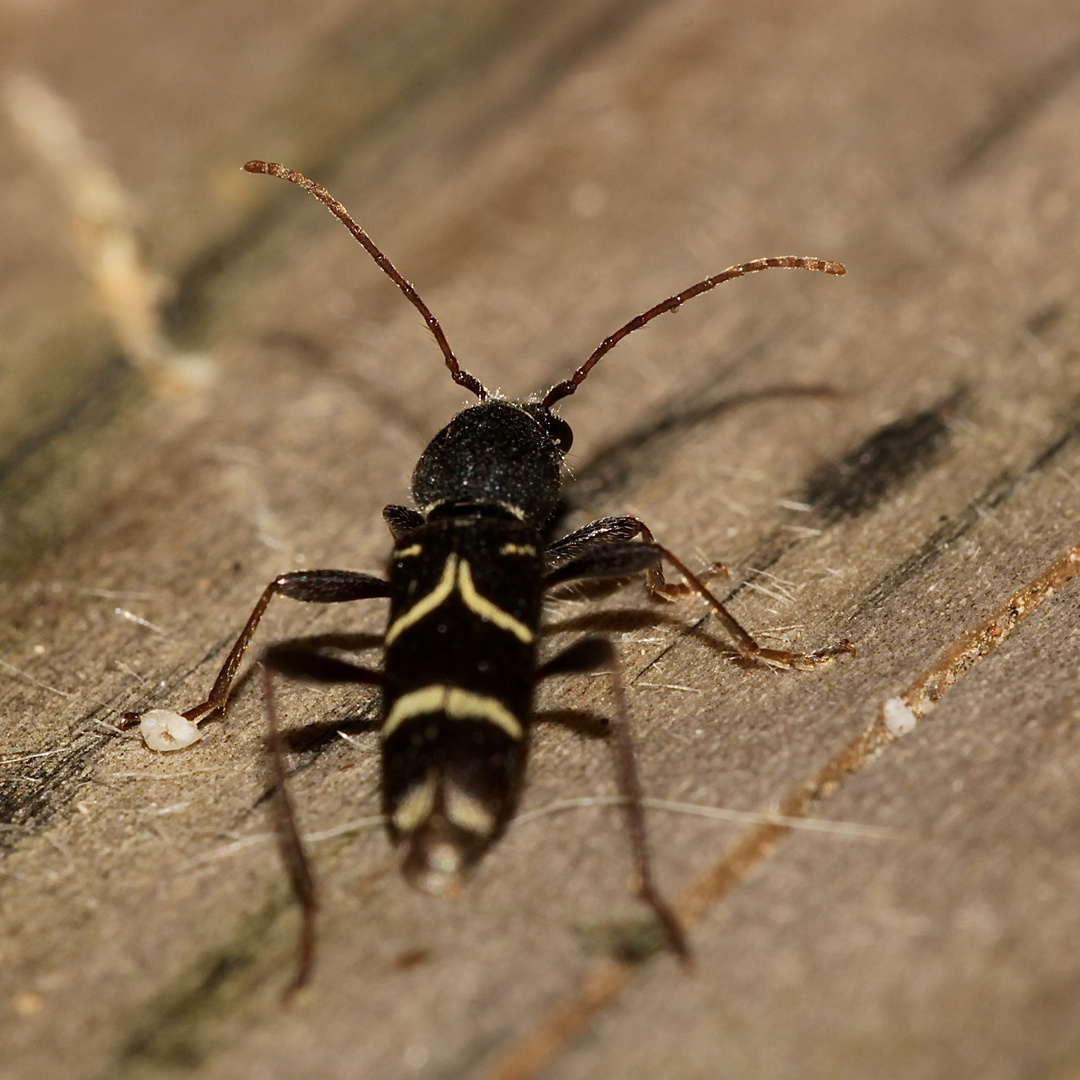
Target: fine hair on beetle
471 562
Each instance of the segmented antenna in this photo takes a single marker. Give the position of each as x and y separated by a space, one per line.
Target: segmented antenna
672 303
462 378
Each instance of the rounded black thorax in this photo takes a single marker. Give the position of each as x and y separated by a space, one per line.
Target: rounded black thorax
497 452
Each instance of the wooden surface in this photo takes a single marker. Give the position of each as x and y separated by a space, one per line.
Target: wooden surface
891 457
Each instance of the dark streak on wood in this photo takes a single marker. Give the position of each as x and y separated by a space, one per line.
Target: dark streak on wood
346 58
875 469
59 779
1015 110
993 494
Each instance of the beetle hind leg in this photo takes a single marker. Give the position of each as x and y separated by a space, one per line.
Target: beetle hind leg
598 654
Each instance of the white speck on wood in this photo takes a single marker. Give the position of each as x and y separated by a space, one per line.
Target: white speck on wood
163 730
899 719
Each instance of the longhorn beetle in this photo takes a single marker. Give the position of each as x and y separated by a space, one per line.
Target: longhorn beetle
467 574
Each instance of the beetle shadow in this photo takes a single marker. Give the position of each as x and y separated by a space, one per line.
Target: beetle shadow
614 621
588 725
304 660
631 620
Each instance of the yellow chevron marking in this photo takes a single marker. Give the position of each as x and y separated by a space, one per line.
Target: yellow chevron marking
457 576
416 805
456 703
486 609
405 553
426 604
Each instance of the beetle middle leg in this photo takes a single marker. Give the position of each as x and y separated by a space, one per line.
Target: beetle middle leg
608 555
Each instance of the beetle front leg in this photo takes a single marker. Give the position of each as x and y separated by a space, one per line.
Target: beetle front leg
311 586
618 530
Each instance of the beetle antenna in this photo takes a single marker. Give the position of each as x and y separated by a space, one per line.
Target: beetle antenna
673 303
462 378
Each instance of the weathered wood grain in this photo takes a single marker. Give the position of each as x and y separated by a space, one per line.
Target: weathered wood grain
891 457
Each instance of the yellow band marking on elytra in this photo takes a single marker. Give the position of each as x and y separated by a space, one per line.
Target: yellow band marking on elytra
517 549
486 609
456 703
412 549
467 811
430 699
416 805
426 604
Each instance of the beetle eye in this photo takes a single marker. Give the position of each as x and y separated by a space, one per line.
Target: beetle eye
561 435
